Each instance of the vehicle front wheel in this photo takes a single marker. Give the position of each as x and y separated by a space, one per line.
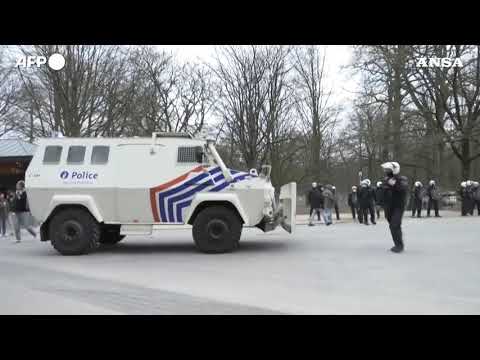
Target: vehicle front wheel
217 229
74 231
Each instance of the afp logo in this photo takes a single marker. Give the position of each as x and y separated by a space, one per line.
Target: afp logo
64 174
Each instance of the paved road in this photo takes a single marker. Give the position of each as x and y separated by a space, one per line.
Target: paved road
342 269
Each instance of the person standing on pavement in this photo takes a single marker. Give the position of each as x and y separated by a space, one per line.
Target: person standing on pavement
353 202
337 212
21 211
378 198
433 198
417 199
309 197
329 204
371 206
11 206
4 212
395 189
470 201
320 214
476 195
366 200
315 201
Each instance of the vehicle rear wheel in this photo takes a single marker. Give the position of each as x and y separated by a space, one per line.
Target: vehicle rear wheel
74 231
217 229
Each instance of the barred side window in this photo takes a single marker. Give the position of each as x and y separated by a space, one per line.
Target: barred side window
190 154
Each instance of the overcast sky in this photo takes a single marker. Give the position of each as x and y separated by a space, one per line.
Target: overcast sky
339 79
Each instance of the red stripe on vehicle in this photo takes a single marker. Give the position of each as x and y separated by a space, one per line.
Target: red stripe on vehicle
166 185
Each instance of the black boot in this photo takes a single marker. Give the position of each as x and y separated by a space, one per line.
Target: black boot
397 249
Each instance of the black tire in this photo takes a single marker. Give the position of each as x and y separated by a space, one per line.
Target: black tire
111 237
217 229
74 231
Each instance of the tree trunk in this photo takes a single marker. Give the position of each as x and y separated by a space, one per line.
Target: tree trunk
466 161
397 103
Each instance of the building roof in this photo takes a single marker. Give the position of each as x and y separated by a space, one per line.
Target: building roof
16 148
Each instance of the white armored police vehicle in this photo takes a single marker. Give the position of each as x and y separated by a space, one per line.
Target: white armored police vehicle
92 191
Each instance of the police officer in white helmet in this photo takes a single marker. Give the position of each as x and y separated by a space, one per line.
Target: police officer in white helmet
395 189
433 198
353 202
417 199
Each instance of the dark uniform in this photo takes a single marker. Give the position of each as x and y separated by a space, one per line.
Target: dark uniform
371 206
353 203
337 211
433 198
417 201
476 197
366 198
469 200
318 197
461 195
315 199
378 199
394 205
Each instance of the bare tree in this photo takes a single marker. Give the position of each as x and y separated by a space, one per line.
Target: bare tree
317 116
170 96
8 90
70 100
449 98
243 90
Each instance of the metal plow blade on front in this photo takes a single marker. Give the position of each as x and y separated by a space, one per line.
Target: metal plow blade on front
288 202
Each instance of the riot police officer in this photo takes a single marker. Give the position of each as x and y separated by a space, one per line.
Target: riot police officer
353 202
378 198
315 200
395 189
469 198
417 199
366 197
433 198
337 210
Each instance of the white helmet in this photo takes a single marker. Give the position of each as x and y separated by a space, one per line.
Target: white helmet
418 183
368 182
432 182
463 184
333 187
392 165
354 187
469 182
314 184
379 183
476 184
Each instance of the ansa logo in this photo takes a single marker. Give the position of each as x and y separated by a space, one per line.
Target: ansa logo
64 174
